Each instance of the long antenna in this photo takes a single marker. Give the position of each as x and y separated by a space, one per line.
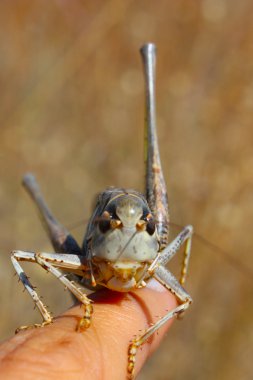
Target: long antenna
156 191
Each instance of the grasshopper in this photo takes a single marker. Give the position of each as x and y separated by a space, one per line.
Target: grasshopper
126 242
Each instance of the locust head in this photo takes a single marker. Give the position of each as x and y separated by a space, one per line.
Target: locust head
124 242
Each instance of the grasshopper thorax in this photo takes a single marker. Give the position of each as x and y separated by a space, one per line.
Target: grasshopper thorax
123 240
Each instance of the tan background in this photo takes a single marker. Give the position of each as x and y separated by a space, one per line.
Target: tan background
71 111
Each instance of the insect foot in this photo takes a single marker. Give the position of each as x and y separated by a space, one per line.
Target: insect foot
132 351
85 321
45 323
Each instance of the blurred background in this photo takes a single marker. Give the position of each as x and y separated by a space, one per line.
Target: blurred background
71 111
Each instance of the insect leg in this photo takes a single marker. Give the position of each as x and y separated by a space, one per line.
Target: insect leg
156 192
61 239
49 262
185 236
170 283
69 262
27 256
72 287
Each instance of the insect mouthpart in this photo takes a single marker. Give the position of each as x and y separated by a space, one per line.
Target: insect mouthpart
120 276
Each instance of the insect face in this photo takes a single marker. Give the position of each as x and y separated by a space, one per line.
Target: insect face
124 242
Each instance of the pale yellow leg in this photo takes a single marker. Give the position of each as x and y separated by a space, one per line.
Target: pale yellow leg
47 317
170 283
85 321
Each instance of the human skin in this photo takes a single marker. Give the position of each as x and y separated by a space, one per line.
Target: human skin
58 351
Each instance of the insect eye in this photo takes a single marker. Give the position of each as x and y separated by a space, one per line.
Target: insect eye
150 227
104 225
111 211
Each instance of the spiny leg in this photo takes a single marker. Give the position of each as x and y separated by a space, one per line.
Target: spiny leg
50 261
185 236
84 323
163 257
47 317
156 192
60 237
170 283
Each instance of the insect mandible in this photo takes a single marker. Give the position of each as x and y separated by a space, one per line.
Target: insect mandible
126 242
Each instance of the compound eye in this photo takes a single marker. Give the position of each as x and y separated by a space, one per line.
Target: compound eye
150 227
104 223
150 223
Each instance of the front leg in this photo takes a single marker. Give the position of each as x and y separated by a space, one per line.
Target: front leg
169 282
46 315
185 236
85 321
49 262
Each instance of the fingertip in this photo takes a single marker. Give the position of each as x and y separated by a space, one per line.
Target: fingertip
102 350
119 318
